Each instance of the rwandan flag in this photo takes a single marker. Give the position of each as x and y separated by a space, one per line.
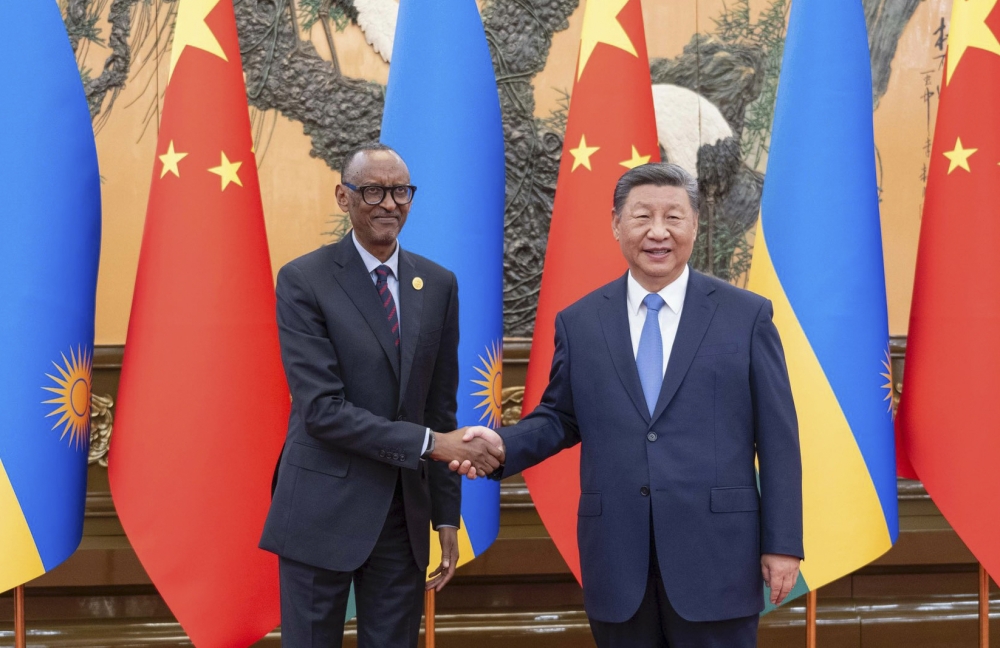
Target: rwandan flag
818 258
50 234
442 113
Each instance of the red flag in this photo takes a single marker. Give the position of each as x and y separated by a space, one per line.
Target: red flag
611 127
203 402
949 413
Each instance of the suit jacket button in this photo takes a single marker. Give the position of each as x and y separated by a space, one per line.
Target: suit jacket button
381 453
400 418
395 456
644 491
651 436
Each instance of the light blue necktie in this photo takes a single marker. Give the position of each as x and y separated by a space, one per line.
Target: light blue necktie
649 359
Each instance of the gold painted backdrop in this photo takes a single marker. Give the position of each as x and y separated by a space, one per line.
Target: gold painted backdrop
721 56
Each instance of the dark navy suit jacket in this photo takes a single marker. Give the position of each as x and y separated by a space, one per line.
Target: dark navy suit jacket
359 408
689 467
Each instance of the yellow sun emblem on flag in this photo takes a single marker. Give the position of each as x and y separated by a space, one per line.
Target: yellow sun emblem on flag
887 364
492 384
72 399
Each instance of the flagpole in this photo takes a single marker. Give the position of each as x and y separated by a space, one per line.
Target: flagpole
20 636
984 607
811 619
429 608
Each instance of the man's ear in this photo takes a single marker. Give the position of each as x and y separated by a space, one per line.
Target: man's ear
615 222
343 199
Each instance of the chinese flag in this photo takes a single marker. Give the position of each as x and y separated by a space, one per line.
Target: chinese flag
611 127
949 414
203 403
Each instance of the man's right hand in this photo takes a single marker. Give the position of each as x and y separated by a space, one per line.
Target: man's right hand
478 453
478 433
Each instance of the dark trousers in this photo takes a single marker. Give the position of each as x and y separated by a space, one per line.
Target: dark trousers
388 590
657 625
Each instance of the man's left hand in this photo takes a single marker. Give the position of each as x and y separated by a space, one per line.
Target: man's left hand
449 559
780 573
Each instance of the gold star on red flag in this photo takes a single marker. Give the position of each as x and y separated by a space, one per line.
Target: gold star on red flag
228 171
959 156
600 25
969 29
190 30
635 160
582 153
212 551
170 160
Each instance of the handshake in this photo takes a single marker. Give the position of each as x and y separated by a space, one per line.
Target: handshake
474 451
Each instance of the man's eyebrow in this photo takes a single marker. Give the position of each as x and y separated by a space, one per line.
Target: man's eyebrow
648 205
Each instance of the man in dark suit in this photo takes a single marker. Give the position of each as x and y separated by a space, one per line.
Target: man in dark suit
672 382
369 342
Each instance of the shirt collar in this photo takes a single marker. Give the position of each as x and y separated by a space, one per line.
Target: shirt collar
371 262
673 293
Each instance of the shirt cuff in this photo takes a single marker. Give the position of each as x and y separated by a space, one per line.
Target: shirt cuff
445 526
427 442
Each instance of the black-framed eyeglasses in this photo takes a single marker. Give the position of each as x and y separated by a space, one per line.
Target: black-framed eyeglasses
375 194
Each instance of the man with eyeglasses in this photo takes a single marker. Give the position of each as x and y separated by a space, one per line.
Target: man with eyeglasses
369 342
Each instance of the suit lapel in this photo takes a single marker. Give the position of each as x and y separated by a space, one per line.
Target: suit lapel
357 282
614 322
696 315
411 307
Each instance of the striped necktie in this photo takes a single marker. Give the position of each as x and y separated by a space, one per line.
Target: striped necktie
382 284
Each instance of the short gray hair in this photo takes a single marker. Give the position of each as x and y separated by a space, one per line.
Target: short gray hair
660 174
362 148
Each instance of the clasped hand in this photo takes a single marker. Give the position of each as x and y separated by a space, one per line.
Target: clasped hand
471 451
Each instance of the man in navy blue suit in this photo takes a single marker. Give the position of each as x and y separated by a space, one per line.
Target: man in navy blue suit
673 382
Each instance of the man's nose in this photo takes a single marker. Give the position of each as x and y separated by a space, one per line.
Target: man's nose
658 230
387 202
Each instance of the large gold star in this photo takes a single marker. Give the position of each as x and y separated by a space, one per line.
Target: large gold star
228 171
959 156
969 29
190 30
600 25
170 160
636 159
582 153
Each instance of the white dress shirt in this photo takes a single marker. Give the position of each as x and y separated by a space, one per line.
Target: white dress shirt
670 316
371 262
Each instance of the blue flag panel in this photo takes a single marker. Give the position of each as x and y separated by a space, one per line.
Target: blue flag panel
50 232
442 114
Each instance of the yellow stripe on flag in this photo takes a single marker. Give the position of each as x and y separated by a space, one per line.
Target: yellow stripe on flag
19 560
840 504
465 553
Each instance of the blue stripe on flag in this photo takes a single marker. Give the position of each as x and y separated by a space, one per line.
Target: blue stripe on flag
49 247
442 113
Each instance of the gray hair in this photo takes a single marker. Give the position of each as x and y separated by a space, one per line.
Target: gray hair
660 174
362 148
